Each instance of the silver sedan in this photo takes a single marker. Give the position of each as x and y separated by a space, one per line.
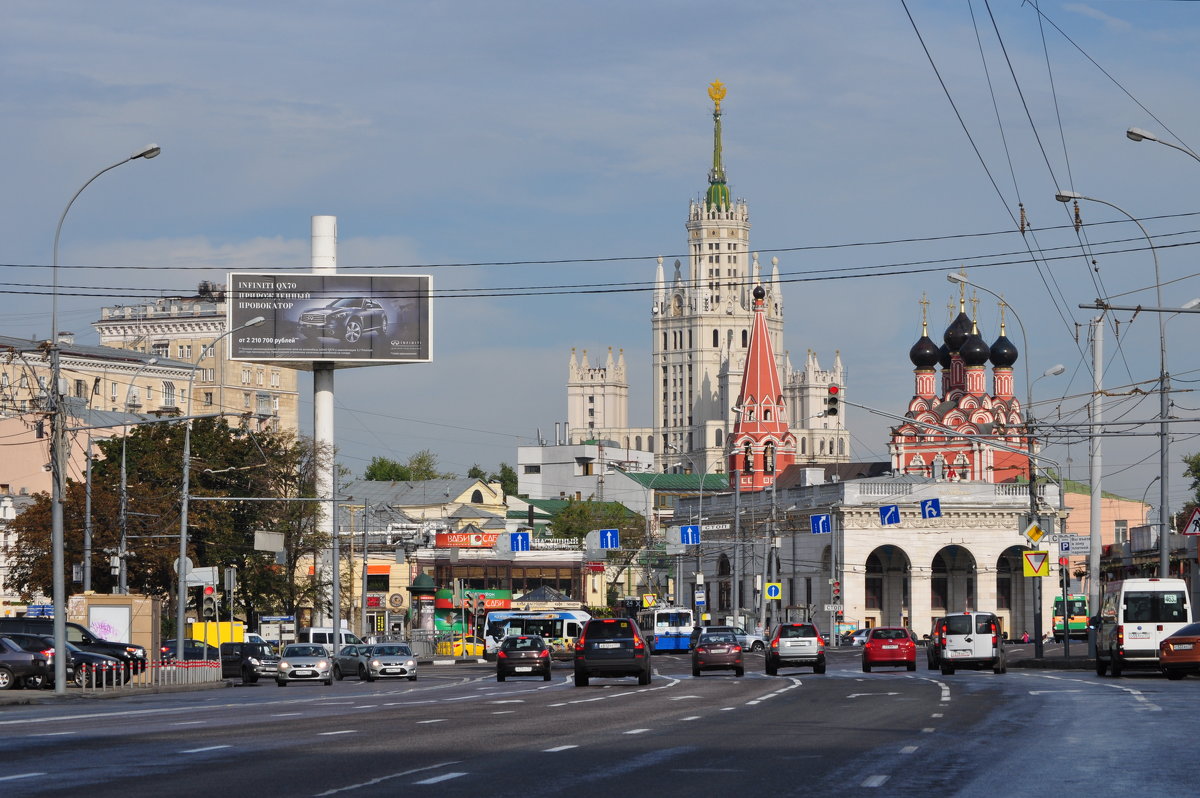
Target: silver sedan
391 661
304 663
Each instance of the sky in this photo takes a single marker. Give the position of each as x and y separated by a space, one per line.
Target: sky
546 152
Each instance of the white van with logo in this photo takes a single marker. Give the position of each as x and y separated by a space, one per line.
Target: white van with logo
323 635
1135 616
970 640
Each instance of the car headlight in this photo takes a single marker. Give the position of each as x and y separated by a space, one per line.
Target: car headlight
253 661
375 663
323 665
410 664
283 666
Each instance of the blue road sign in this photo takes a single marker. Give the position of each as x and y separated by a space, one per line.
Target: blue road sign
931 508
610 538
689 534
518 541
889 514
821 524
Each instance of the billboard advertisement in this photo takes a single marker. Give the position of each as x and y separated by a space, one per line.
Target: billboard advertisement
366 318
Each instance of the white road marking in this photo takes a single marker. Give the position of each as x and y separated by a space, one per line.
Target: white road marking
433 720
16 776
909 749
637 731
202 750
928 730
726 709
1052 692
340 731
382 779
510 701
936 715
443 777
67 733
505 712
560 748
285 714
691 717
860 695
875 781
682 697
180 723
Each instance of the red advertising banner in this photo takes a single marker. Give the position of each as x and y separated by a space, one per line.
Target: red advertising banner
473 540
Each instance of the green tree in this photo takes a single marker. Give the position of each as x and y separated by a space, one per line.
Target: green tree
580 517
475 472
507 477
381 469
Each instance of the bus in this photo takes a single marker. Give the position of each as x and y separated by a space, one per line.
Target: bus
666 628
559 628
1076 617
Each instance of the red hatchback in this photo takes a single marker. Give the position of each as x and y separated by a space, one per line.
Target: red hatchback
889 645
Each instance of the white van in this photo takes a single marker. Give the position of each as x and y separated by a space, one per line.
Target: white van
323 635
1135 616
969 640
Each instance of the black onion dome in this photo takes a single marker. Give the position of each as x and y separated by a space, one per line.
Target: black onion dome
759 292
1004 352
975 351
944 359
958 332
924 353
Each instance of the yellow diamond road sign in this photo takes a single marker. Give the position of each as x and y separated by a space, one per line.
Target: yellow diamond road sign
1037 563
1034 532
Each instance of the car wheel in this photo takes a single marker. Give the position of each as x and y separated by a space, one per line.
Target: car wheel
281 683
500 677
695 672
644 677
912 666
337 673
740 672
412 678
819 667
81 676
581 679
866 667
7 682
329 682
353 331
1115 664
757 646
546 675
362 673
947 670
1101 665
1173 674
772 669
383 324
36 682
249 676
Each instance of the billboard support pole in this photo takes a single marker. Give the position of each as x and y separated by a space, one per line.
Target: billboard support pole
324 261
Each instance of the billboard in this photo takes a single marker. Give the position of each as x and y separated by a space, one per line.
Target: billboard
365 318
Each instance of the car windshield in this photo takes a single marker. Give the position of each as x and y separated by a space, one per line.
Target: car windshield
958 625
391 651
345 303
1153 606
304 651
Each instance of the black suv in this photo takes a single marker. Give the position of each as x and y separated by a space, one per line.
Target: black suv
250 661
132 657
611 647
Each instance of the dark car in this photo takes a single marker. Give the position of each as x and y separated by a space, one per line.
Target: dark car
795 644
132 656
18 664
611 647
347 318
193 651
523 655
718 651
83 667
250 661
933 646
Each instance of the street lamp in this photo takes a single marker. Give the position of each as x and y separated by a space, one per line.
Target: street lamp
58 478
182 569
122 548
1164 377
1137 134
1032 454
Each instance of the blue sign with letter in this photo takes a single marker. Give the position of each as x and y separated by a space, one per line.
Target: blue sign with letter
610 538
689 534
889 514
518 541
931 508
821 524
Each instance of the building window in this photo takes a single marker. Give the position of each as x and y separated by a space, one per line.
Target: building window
533 469
745 338
160 350
245 376
168 390
208 398
184 352
1122 531
274 379
81 391
245 399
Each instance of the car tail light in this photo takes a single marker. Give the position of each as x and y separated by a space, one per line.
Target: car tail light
737 649
702 649
545 652
501 655
637 642
775 643
1121 636
579 642
820 640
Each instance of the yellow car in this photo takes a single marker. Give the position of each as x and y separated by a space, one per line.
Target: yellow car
454 647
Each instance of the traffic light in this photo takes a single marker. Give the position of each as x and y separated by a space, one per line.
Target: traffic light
831 400
835 589
208 608
480 603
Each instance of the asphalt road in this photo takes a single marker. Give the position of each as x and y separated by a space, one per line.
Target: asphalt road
457 732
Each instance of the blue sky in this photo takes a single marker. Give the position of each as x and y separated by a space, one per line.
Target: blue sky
493 133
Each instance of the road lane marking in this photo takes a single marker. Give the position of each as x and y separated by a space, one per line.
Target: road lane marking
180 723
382 779
66 733
340 731
637 731
505 712
443 777
433 720
560 748
509 701
726 709
691 717
16 776
682 697
202 750
909 749
875 781
860 695
936 715
286 714
928 730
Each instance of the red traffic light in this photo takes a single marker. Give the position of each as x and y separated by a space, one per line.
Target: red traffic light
210 590
833 390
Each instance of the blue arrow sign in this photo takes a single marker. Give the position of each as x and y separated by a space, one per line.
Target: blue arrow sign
931 508
610 538
518 541
774 591
821 524
889 514
689 534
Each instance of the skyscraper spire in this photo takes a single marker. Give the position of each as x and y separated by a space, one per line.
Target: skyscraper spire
718 191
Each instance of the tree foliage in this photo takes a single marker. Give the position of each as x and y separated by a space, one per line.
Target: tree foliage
225 462
580 517
419 467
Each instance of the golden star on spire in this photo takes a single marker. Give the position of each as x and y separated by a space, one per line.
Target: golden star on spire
716 93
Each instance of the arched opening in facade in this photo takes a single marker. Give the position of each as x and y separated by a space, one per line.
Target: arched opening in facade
724 584
1014 593
952 581
887 593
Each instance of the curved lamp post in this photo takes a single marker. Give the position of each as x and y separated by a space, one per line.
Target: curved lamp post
58 481
1137 134
123 547
1164 387
182 570
1032 455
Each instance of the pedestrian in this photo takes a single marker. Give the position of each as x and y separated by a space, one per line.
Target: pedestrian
1025 637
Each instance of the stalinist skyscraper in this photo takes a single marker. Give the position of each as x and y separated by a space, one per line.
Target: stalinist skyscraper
700 325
